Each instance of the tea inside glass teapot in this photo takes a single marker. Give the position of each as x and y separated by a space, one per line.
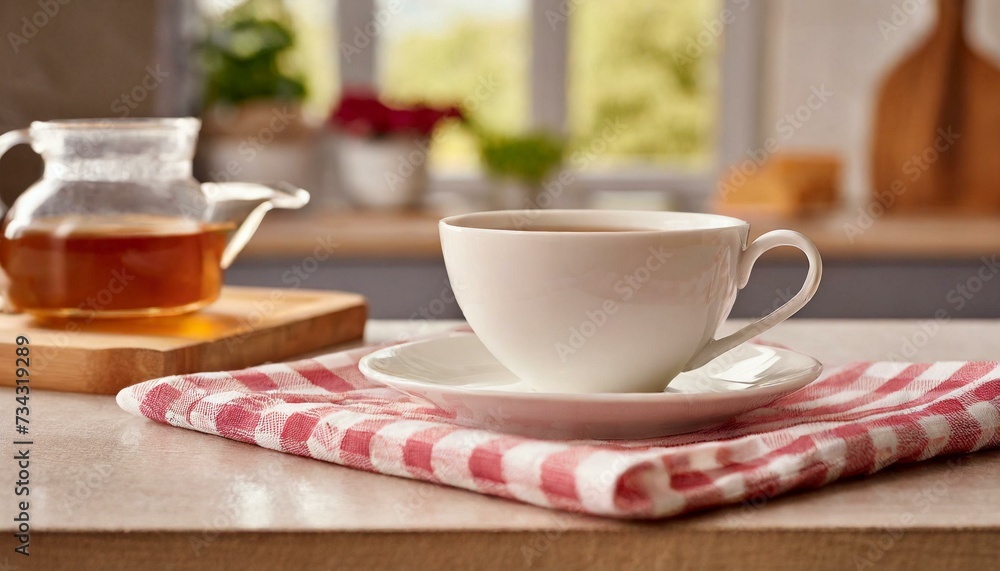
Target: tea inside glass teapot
118 227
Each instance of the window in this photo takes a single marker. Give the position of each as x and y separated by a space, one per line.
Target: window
447 52
632 64
677 77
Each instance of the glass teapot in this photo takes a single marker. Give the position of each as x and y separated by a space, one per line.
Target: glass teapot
118 227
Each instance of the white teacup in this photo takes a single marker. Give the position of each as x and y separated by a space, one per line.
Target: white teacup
591 301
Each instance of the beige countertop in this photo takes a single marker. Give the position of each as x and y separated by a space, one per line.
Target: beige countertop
113 491
839 236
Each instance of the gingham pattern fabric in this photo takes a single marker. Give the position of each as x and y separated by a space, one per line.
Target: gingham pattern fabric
856 419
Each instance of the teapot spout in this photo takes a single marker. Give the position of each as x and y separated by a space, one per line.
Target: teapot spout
243 206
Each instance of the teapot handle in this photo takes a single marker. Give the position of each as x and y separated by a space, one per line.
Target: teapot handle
14 138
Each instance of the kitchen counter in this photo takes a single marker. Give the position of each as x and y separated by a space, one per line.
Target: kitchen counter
112 491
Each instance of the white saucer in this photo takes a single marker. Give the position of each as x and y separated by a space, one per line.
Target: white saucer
458 374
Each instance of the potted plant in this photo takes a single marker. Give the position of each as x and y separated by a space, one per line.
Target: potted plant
253 125
519 165
381 151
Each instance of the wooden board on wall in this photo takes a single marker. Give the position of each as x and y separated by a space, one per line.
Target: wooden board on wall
937 125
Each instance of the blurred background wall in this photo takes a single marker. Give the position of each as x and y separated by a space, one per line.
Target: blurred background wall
84 58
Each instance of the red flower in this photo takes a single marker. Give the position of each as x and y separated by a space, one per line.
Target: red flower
361 113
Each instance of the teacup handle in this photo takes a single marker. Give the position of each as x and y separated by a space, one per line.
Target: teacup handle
749 256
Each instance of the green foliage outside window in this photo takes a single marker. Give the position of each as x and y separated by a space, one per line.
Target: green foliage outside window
643 64
649 65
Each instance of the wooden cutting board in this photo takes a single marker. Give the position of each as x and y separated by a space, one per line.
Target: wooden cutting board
937 125
245 327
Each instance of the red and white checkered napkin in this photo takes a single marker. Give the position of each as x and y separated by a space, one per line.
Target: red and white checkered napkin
857 419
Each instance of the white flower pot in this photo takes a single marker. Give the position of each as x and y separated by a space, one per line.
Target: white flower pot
381 173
